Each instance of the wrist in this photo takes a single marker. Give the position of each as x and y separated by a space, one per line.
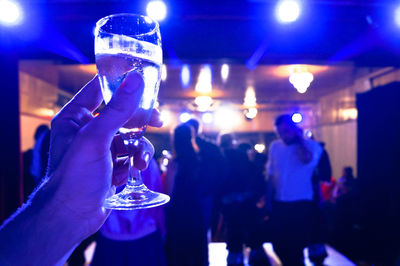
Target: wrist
41 224
51 208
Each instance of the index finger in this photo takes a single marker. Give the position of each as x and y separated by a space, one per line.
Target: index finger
89 97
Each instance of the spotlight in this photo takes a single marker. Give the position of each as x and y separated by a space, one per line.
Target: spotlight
184 117
156 10
207 118
288 10
10 13
297 118
185 76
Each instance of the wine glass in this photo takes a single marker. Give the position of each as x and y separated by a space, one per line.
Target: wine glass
125 43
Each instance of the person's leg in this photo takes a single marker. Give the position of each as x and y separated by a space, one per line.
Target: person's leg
293 222
77 257
108 252
234 234
289 254
257 234
146 251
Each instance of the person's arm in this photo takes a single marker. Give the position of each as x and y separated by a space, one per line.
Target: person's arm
68 207
305 153
41 232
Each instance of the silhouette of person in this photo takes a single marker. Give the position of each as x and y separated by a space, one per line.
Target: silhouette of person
186 239
40 154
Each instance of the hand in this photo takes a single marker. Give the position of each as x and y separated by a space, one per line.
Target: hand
299 134
82 168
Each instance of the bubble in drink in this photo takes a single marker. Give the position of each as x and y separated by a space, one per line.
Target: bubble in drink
113 68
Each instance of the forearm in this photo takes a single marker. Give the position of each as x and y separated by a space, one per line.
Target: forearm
40 233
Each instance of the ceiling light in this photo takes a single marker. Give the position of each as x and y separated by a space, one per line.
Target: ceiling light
226 118
204 81
156 10
224 72
203 103
10 13
251 113
250 97
184 117
207 118
301 80
260 148
297 118
288 11
185 76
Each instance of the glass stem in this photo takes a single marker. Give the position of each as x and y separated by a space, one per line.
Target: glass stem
135 177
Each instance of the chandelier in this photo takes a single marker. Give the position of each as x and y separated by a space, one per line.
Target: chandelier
301 79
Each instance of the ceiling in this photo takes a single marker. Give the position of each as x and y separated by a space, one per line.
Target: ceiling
271 82
339 40
329 32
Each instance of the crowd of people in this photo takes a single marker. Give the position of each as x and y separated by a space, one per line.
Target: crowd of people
244 198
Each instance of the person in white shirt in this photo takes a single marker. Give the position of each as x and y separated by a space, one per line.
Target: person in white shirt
291 163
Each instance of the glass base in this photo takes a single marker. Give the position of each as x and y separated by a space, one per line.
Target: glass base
135 198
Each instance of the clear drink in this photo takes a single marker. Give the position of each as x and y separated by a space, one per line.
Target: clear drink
113 68
126 43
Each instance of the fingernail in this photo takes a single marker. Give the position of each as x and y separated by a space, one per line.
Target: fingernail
146 157
132 81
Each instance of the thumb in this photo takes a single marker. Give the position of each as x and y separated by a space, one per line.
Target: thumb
120 109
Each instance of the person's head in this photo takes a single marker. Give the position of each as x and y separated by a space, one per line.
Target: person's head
244 146
226 140
194 123
40 130
287 130
247 149
182 140
348 171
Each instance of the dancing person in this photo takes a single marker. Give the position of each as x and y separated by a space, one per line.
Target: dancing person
242 190
186 239
291 163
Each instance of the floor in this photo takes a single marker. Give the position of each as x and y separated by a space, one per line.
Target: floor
218 254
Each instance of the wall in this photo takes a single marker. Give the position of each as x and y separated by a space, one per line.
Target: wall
341 145
339 130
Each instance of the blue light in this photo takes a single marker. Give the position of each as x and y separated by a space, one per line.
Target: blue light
185 76
156 10
297 118
288 10
10 13
397 16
